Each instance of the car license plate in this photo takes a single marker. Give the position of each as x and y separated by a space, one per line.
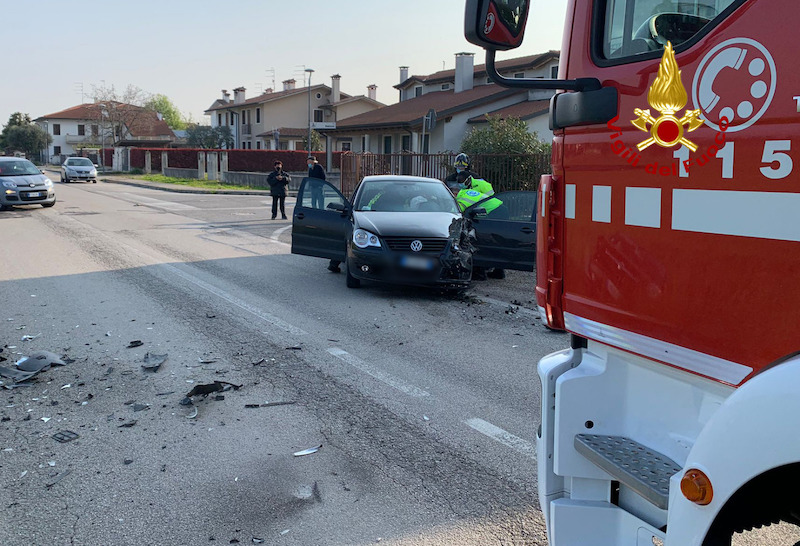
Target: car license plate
34 194
416 262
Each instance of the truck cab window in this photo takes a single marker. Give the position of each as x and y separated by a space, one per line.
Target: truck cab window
636 27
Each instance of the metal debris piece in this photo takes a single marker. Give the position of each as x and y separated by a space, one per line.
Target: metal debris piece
295 348
206 360
285 531
128 424
46 419
25 473
270 404
257 540
135 343
65 436
127 461
38 361
29 337
259 362
58 478
141 407
165 393
68 385
194 414
308 451
152 362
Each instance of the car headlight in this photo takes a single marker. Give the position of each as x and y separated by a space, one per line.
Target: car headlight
48 183
363 238
9 184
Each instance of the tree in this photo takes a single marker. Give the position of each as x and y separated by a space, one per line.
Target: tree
117 112
172 116
30 139
14 120
316 142
204 136
511 154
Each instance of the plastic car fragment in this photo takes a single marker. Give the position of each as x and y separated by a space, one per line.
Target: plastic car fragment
28 366
65 436
152 362
308 451
457 259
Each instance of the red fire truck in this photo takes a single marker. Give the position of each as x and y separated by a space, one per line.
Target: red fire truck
669 247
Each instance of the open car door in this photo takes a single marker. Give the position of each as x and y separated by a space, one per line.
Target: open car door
506 237
320 221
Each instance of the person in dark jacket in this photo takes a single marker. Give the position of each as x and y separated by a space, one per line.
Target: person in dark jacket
278 181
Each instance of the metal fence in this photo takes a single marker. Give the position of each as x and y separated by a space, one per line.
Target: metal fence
504 171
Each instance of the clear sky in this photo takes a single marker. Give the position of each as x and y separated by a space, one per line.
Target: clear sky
189 50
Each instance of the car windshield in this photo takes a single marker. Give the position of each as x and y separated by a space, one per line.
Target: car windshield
79 162
405 196
17 168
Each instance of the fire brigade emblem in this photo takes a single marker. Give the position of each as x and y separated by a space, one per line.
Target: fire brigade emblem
667 95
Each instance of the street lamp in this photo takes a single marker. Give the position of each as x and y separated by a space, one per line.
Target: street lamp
102 135
308 142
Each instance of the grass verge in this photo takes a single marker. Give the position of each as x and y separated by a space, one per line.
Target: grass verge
193 182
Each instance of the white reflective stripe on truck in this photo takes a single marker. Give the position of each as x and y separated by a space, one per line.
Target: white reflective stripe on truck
680 357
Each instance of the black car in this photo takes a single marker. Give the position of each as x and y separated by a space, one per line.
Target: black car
409 230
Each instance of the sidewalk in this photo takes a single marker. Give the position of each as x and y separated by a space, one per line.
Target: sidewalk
177 188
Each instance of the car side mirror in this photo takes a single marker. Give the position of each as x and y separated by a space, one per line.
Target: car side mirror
495 24
337 206
95 165
480 211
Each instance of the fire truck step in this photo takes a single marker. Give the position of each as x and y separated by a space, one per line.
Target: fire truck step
644 470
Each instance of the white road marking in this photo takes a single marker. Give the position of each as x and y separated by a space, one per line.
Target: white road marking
158 203
380 375
278 232
504 437
271 319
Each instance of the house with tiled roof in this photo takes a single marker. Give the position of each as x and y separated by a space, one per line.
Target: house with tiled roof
278 120
86 128
457 100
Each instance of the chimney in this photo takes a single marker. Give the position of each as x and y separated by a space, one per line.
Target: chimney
238 95
372 91
465 71
336 94
268 91
403 73
226 97
288 84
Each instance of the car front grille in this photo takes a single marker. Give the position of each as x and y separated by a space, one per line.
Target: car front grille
403 244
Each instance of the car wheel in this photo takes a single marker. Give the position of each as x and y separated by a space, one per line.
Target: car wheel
5 207
94 181
66 179
350 280
48 205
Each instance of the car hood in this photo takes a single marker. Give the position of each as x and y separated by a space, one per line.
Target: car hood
26 180
405 224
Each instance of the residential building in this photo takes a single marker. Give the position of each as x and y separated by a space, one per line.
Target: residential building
457 100
278 120
84 129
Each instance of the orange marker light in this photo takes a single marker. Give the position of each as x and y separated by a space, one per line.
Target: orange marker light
696 487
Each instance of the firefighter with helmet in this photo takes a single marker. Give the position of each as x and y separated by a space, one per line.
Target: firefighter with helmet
461 164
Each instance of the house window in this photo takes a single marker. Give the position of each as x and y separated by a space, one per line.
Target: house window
95 130
317 116
387 144
445 86
519 75
258 142
244 117
81 130
554 72
57 131
232 118
219 119
57 150
258 115
283 145
363 143
418 91
345 146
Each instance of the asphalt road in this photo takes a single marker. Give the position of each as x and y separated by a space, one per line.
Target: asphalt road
425 406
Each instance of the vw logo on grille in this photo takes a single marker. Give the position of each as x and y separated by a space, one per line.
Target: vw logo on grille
416 245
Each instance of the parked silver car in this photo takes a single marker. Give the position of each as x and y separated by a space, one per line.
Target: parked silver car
78 168
22 183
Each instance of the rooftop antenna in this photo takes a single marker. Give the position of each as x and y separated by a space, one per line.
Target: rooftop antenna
271 74
300 69
78 86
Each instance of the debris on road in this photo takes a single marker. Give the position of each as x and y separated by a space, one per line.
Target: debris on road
309 451
193 414
295 348
135 343
57 478
29 337
270 404
141 407
128 424
65 436
152 362
208 388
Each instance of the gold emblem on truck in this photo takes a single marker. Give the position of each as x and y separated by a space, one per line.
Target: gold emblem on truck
667 95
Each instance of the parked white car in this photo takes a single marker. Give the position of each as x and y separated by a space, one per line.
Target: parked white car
78 168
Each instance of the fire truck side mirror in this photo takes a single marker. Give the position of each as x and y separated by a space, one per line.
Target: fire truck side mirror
495 24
